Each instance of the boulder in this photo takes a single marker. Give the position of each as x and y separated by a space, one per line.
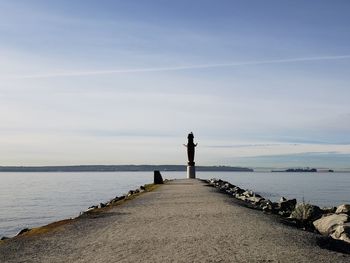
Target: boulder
288 203
248 193
283 199
222 188
275 207
116 199
131 192
255 199
306 213
229 191
241 197
4 238
342 232
158 179
327 225
268 206
329 210
286 207
264 202
217 183
120 198
24 230
343 209
228 185
101 205
238 190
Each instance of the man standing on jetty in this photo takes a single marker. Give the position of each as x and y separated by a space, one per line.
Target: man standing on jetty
191 168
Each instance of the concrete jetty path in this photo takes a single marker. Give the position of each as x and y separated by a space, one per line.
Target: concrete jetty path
181 221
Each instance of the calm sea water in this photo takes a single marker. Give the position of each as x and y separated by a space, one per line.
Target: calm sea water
34 199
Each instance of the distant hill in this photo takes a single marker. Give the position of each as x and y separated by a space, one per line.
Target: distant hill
118 168
304 170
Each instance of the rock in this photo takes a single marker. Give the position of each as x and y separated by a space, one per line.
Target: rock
328 224
342 232
283 199
228 185
120 198
101 205
24 230
241 197
229 191
116 199
238 190
222 188
264 202
216 182
255 199
158 179
248 193
266 206
329 210
142 188
343 209
92 207
275 207
131 192
286 207
306 213
4 238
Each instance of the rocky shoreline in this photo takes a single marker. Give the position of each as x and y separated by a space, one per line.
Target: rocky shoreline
90 212
332 223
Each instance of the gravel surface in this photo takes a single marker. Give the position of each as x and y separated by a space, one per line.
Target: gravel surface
181 221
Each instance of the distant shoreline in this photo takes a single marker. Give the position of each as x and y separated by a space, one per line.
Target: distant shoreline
120 168
303 170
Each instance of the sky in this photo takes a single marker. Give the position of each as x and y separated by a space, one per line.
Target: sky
259 83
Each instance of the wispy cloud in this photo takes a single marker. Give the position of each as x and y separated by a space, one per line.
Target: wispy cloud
178 68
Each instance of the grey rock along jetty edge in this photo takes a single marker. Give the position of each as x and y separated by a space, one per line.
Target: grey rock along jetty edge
181 221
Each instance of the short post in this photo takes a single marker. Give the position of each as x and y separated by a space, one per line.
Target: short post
158 179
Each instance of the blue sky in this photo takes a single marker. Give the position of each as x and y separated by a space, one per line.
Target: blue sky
111 82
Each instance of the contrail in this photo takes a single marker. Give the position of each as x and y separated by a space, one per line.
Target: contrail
179 68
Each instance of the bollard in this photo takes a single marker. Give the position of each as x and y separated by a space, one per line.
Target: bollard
158 179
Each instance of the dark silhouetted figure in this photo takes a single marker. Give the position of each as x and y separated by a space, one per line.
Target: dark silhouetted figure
190 149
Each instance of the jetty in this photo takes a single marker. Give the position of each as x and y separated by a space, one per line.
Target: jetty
180 221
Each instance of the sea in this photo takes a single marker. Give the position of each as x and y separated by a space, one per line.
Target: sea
34 199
